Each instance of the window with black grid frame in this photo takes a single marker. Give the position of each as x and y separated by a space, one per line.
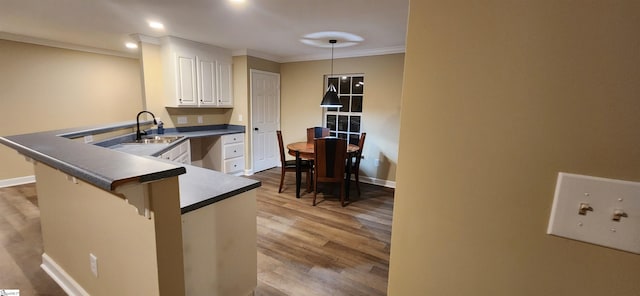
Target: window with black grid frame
344 122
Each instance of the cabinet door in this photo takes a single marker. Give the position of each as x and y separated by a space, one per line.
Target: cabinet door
186 80
224 84
206 82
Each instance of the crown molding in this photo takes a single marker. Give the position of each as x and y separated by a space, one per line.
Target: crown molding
348 54
145 39
64 45
317 57
257 54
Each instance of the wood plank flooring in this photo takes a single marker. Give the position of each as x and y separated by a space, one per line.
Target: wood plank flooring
302 250
21 243
322 250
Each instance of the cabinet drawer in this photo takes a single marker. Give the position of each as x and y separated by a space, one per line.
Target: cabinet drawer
233 138
184 158
233 150
233 165
184 147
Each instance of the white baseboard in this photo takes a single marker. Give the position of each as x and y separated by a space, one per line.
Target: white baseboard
17 181
248 172
66 282
375 181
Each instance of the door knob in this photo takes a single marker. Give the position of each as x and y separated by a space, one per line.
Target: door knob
255 128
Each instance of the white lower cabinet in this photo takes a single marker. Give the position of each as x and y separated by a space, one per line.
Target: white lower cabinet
228 153
221 153
180 153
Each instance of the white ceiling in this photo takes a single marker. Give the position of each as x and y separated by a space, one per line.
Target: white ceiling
265 28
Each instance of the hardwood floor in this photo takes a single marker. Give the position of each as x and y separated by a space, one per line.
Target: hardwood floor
21 243
322 250
302 250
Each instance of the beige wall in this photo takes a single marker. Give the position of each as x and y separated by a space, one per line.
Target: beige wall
302 91
45 88
134 257
498 97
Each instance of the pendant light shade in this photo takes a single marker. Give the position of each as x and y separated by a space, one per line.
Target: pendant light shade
330 99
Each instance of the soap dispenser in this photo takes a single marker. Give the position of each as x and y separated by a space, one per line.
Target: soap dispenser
160 127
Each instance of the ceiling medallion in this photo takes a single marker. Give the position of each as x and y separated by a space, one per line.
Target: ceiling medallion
321 39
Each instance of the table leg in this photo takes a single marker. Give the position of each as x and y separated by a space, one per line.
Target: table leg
298 174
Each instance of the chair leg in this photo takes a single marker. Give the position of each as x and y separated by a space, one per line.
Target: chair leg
281 180
315 191
309 185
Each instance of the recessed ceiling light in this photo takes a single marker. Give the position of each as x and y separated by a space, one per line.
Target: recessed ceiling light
156 25
131 45
238 4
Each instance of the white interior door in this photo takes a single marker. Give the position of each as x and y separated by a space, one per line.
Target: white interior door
265 119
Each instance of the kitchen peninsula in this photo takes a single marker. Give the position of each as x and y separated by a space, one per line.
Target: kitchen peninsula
117 223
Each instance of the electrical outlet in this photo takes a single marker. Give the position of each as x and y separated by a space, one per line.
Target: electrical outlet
88 139
93 262
596 210
182 120
376 162
200 119
239 117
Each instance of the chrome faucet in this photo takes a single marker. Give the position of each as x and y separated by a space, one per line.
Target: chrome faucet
139 133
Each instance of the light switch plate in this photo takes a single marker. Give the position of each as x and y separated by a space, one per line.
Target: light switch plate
585 207
182 120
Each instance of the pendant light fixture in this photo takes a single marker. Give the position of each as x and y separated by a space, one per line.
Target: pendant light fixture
330 99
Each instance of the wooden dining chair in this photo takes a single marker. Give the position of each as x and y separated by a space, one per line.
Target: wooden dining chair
355 167
290 165
316 132
329 159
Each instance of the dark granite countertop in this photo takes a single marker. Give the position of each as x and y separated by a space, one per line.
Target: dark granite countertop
109 168
120 143
200 187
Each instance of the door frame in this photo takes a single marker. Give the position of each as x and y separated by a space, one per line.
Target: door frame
250 130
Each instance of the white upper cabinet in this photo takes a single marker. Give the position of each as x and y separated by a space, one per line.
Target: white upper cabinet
207 83
186 80
196 74
224 84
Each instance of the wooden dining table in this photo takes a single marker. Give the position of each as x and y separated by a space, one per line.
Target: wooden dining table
305 150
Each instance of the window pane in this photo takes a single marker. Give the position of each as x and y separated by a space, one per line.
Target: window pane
345 104
356 104
358 85
354 139
334 81
332 134
342 136
343 123
355 124
331 122
345 86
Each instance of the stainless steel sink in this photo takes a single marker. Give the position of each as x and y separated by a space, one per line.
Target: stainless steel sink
156 140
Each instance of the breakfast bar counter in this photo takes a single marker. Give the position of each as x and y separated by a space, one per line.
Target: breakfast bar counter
121 223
